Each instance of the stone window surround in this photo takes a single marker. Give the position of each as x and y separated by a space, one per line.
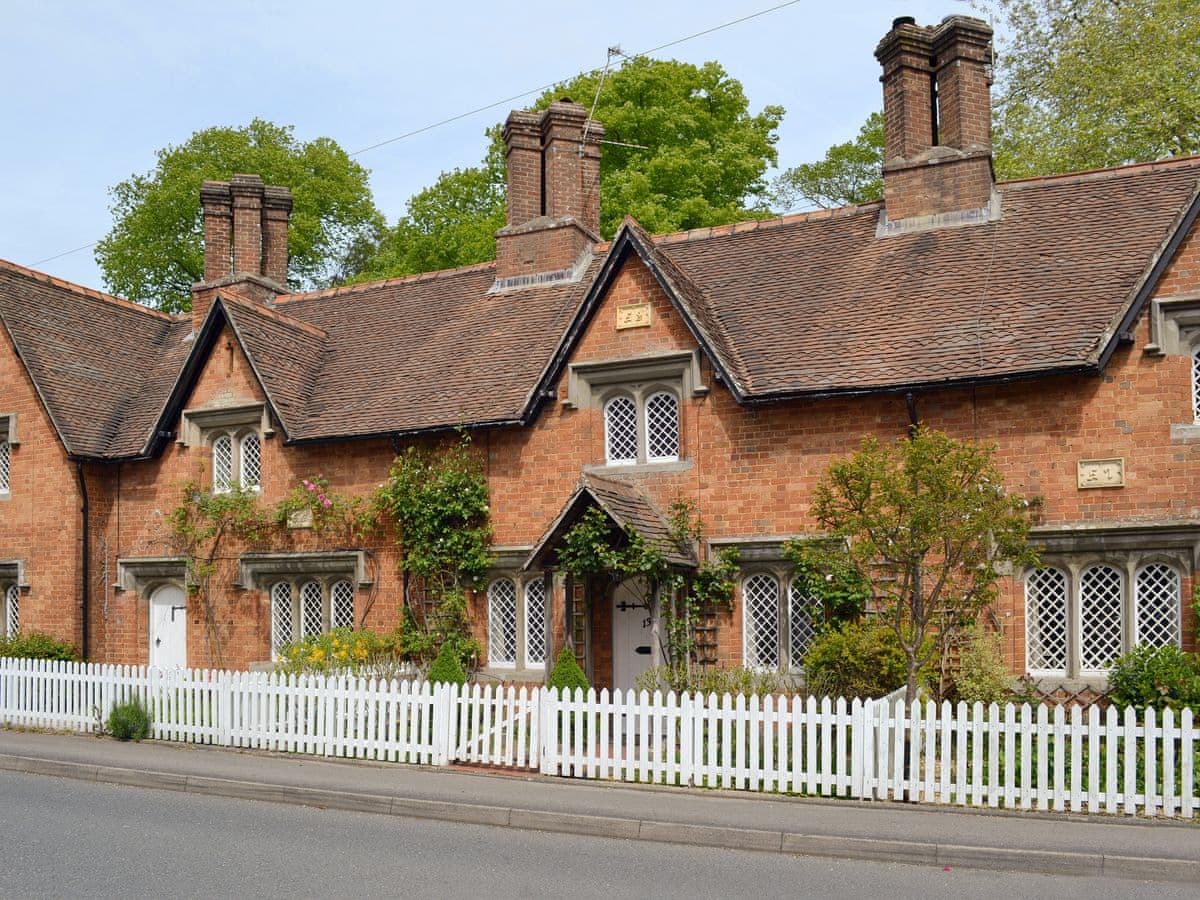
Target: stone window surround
592 384
1175 331
1127 549
509 563
8 433
639 395
202 426
258 571
764 556
12 575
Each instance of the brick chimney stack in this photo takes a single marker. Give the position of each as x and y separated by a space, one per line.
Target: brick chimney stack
245 241
553 162
937 113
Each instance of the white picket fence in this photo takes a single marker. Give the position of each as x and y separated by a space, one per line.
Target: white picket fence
1023 757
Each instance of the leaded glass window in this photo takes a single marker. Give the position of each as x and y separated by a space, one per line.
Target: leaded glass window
801 626
1046 620
1157 605
502 623
620 430
5 465
251 461
222 464
281 616
311 612
662 427
12 611
1102 616
1196 384
341 605
760 621
535 623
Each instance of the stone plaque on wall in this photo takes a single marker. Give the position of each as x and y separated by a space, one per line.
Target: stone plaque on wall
1101 473
635 316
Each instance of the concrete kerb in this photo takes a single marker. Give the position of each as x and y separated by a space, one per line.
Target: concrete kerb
717 836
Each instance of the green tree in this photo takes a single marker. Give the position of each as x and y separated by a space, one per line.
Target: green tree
704 160
851 172
1092 83
706 154
155 252
451 223
928 523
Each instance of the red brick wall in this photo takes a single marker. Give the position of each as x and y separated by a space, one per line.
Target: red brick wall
39 522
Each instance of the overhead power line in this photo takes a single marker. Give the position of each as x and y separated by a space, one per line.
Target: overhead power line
537 90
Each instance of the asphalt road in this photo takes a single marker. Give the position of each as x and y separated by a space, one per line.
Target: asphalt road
61 838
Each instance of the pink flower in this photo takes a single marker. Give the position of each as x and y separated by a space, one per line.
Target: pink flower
328 503
309 485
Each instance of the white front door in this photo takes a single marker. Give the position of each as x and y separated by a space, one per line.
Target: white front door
633 648
168 627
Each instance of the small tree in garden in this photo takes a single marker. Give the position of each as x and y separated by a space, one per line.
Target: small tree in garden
928 524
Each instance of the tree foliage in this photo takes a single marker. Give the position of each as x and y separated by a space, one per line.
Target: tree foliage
1092 83
928 523
706 153
849 173
155 253
1082 84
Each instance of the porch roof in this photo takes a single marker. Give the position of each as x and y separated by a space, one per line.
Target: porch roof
626 506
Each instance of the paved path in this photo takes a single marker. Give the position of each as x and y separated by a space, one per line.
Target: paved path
1054 843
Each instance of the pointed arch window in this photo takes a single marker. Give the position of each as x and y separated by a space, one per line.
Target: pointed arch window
236 461
502 623
620 431
309 607
12 611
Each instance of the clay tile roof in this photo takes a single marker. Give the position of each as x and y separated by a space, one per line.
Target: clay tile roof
428 352
625 505
818 304
101 365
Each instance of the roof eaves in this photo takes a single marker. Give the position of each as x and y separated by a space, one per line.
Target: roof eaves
62 435
1106 345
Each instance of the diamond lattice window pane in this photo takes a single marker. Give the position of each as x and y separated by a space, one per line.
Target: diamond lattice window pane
1196 385
251 461
281 616
535 623
502 623
760 599
311 619
341 604
1102 616
1158 605
222 464
662 427
620 430
800 624
1046 620
12 611
5 465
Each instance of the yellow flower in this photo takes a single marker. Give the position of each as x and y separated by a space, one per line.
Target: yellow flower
317 655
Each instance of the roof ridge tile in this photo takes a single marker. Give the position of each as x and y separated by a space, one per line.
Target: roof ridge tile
1104 174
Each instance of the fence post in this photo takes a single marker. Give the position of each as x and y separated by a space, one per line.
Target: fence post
441 698
224 717
549 729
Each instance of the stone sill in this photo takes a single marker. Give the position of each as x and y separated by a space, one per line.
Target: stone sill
682 465
1185 433
498 674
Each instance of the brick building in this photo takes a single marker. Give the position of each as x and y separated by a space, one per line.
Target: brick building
1057 317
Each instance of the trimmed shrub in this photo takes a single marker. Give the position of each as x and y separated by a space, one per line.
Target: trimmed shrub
856 659
447 667
1155 676
982 673
37 646
566 674
129 721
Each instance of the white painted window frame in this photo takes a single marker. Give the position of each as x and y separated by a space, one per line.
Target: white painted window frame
639 397
785 622
325 584
1129 566
237 439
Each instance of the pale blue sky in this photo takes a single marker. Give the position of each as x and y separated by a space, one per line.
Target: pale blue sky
93 89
